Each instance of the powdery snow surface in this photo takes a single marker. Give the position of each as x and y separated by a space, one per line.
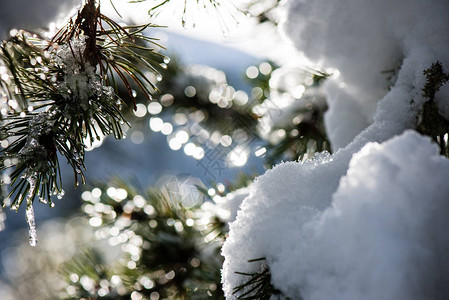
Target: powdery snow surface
369 221
385 235
368 42
231 203
378 233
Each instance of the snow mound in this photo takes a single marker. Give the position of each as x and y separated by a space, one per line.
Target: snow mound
374 45
383 236
279 203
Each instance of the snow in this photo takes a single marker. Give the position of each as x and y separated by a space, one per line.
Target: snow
370 43
80 80
272 213
231 203
367 222
382 230
382 225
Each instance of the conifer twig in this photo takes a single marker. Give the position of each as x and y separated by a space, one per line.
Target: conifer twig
61 94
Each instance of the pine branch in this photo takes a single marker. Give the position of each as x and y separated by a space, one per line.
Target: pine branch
60 95
258 286
164 251
157 7
430 121
218 10
304 133
176 78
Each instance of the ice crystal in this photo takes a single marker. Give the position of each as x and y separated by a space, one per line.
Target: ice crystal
319 158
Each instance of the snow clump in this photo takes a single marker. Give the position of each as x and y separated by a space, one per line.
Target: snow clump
380 225
81 84
377 47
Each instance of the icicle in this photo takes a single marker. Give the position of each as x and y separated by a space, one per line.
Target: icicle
32 225
2 219
30 211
